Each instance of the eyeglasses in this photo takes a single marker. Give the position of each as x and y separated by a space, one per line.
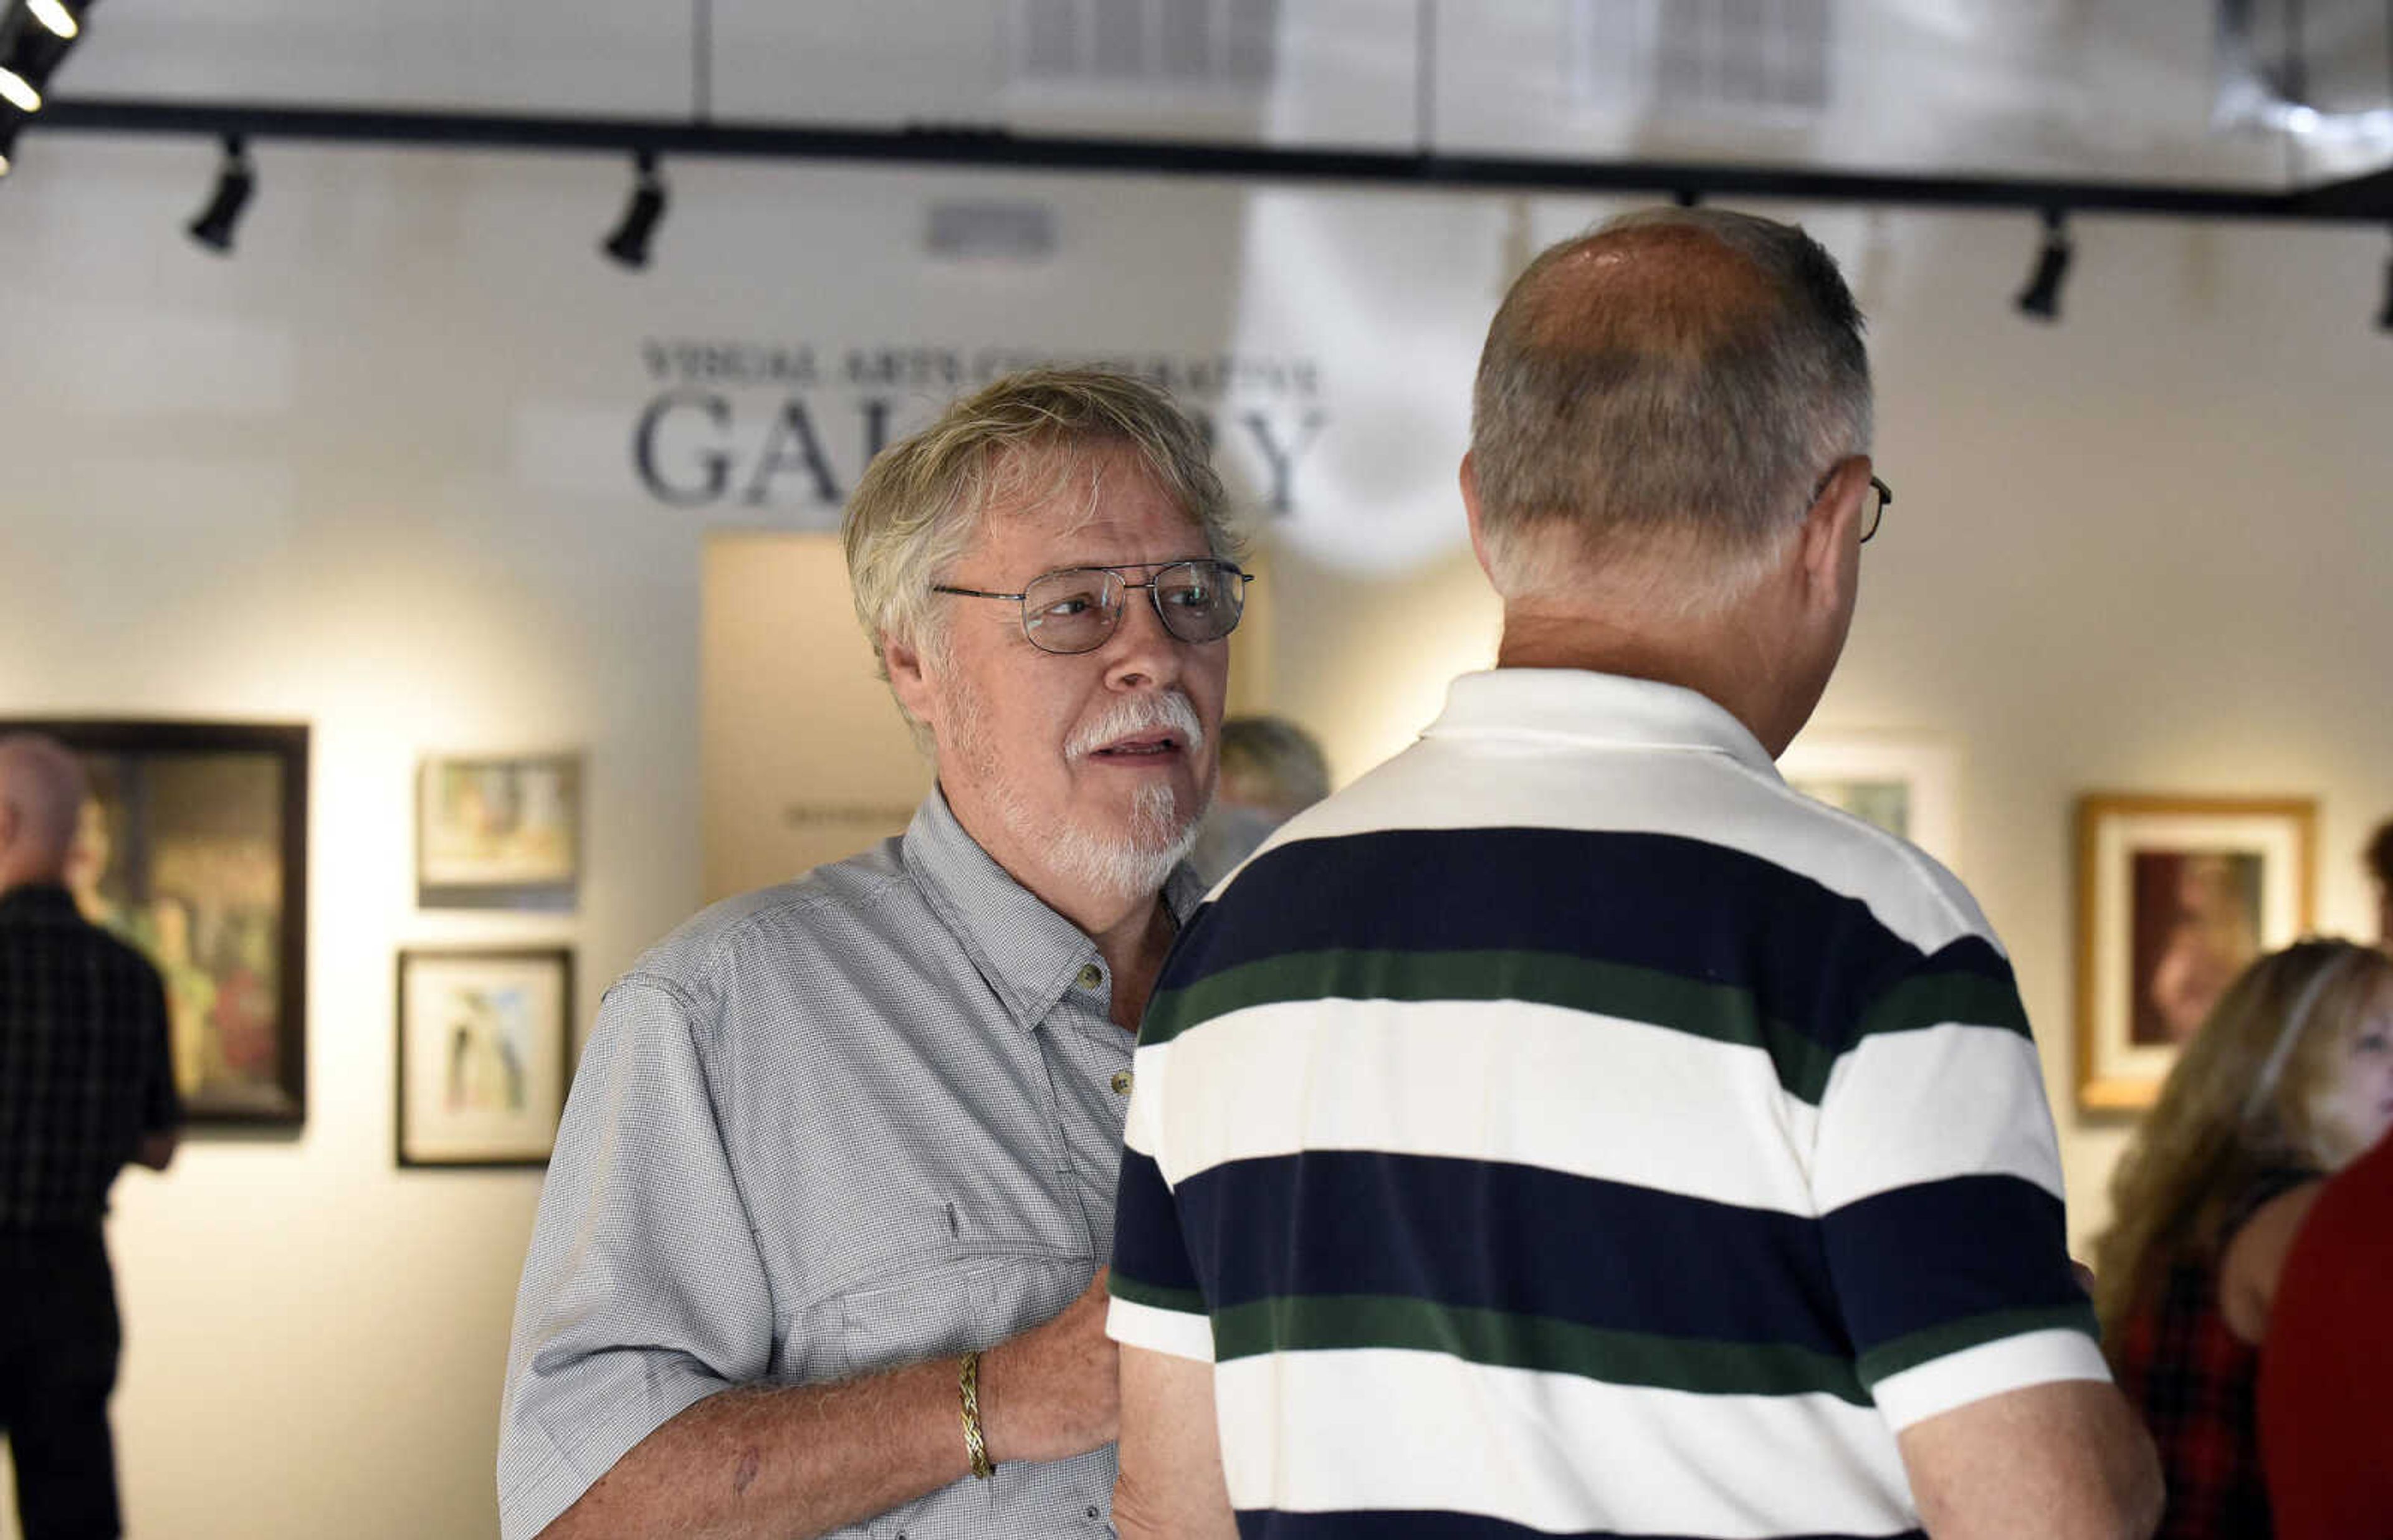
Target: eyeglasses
1078 608
1881 497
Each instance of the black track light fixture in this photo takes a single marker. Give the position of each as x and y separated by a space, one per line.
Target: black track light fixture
235 182
628 246
2041 298
33 44
55 16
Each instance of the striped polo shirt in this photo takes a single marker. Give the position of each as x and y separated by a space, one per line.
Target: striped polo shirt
1569 1129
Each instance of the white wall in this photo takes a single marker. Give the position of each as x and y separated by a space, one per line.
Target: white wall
373 472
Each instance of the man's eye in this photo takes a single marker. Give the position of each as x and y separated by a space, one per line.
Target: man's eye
1195 596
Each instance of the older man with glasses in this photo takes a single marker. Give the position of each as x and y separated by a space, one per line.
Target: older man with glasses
821 1247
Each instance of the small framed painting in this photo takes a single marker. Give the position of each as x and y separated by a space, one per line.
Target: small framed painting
485 1054
1908 785
494 829
2176 896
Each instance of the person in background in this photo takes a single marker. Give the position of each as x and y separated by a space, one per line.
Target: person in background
86 1086
1272 770
1570 1129
2380 866
2326 1422
2291 1078
821 1246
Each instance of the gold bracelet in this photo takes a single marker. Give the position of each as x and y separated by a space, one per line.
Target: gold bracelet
976 1442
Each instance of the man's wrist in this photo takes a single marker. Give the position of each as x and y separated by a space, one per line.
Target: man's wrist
976 1434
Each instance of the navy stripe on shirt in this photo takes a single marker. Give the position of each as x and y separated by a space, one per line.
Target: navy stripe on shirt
1645 900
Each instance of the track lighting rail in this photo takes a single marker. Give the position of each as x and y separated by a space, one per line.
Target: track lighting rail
2365 199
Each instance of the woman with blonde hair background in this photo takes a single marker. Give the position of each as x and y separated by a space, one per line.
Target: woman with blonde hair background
2290 1079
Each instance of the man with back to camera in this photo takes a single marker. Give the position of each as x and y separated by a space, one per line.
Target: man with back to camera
819 1248
1568 1129
86 1085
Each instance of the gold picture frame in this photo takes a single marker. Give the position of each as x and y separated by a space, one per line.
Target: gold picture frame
2176 896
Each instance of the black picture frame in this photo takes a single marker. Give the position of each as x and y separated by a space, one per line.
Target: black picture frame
517 1103
194 848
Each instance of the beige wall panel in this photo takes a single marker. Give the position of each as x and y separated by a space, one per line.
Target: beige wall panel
804 758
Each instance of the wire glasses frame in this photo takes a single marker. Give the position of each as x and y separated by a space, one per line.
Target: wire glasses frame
1078 608
1881 498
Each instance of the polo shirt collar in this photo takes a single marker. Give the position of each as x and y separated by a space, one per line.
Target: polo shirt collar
1029 954
1606 709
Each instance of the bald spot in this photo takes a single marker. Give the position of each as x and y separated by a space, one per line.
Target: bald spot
1658 290
44 783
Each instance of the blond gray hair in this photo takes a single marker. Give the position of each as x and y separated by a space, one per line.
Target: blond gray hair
921 500
1675 404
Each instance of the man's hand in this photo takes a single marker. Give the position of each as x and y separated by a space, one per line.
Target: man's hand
1052 1392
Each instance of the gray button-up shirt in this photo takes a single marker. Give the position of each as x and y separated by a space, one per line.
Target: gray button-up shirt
862 1119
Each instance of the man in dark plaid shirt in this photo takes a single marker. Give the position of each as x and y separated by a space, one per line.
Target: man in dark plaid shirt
85 1085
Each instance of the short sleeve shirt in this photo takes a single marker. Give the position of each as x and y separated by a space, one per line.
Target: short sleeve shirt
863 1120
1570 1129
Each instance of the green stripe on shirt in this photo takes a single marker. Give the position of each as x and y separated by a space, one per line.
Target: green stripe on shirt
1888 1359
1719 1012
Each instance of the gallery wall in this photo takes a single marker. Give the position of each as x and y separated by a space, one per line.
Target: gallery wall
378 472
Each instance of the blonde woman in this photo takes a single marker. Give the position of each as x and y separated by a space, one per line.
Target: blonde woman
2290 1079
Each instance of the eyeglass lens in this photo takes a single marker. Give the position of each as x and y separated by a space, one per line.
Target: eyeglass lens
1076 610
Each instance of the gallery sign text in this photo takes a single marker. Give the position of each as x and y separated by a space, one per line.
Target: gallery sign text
772 425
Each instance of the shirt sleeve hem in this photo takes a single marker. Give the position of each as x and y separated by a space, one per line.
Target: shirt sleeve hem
1989 1369
533 1502
1177 1333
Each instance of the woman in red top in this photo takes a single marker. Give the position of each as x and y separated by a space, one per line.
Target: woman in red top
2290 1079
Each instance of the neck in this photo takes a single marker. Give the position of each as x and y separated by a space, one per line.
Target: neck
1725 657
1133 951
1132 935
24 876
1133 931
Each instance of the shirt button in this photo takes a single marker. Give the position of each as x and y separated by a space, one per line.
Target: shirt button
1091 976
1122 1082
1095 1512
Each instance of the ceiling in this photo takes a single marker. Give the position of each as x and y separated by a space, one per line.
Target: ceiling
2179 91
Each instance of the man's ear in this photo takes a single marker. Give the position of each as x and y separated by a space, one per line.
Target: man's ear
1828 530
909 679
1470 515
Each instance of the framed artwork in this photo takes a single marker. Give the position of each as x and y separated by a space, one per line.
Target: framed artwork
2175 896
193 847
1908 785
493 827
485 1054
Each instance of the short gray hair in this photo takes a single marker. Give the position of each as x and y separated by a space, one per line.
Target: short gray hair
921 502
1687 406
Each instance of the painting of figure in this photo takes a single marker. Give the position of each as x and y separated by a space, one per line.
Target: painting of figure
192 846
484 1050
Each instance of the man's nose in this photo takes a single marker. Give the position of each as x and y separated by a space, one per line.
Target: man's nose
1140 652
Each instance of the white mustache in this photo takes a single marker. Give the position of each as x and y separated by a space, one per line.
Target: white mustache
1171 711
